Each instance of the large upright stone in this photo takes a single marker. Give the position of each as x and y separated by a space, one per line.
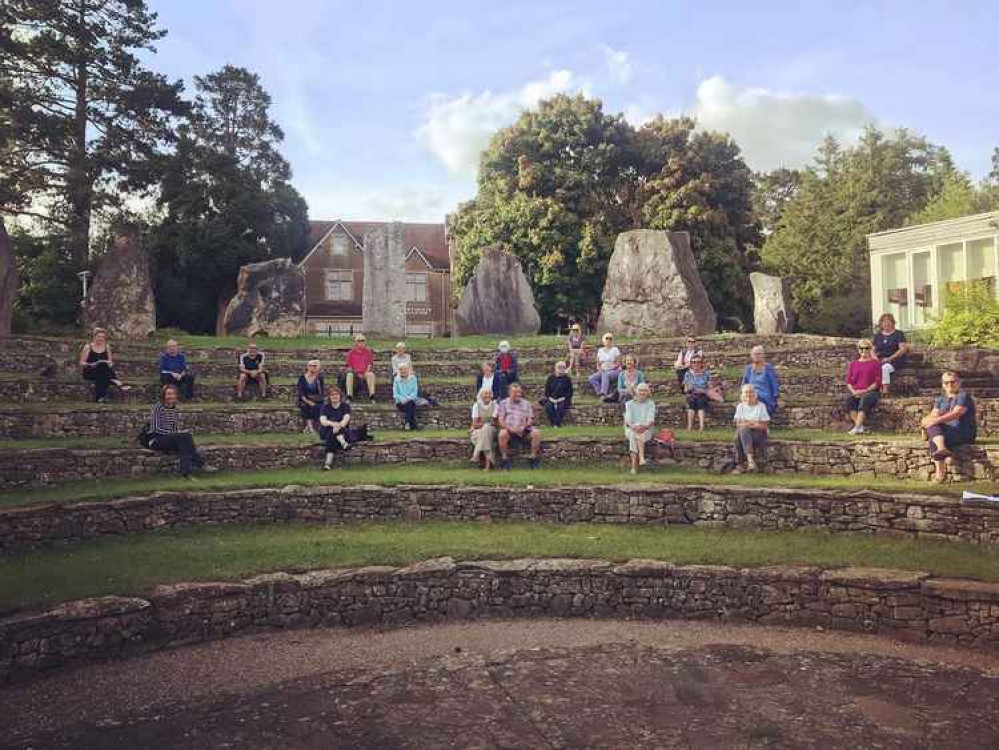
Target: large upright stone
121 297
269 301
653 287
383 310
771 304
9 281
498 298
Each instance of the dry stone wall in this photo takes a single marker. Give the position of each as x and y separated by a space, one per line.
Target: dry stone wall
910 606
761 508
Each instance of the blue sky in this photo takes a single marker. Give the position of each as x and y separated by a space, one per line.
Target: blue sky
385 105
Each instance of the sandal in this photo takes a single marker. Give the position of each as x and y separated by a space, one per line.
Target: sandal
942 455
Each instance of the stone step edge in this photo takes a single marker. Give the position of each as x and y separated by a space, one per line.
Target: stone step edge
905 605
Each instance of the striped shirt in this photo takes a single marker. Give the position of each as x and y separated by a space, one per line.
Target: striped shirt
164 420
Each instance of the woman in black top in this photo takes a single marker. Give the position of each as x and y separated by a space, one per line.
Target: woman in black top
166 435
558 395
310 396
890 347
98 365
333 420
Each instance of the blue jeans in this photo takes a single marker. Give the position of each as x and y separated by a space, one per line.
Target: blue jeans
601 381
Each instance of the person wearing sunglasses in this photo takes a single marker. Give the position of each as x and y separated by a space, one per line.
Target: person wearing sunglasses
950 424
863 380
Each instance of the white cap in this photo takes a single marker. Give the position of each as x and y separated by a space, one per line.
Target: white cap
504 346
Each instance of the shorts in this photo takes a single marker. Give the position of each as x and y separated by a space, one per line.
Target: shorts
523 439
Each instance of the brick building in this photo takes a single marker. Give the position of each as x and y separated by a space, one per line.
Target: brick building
334 270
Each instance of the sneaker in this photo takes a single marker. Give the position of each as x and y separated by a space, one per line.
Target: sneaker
861 429
406 426
327 467
727 467
209 469
535 463
852 431
506 464
634 470
751 465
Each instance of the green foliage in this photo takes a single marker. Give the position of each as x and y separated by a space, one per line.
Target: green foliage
559 185
957 197
772 191
84 119
970 317
50 290
227 201
820 242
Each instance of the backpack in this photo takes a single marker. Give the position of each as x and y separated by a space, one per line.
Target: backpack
145 436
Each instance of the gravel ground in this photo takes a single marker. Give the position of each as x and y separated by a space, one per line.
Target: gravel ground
535 684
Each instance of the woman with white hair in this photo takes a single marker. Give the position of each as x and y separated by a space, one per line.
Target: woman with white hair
401 357
310 390
752 420
639 418
483 431
763 377
406 394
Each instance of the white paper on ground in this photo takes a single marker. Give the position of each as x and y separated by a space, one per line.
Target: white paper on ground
975 496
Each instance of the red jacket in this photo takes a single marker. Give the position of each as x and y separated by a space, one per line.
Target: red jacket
359 359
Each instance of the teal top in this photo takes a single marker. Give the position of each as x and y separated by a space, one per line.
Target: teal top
405 389
622 380
638 413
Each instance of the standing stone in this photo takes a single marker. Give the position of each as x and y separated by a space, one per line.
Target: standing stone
653 287
498 298
383 306
771 304
9 281
269 301
121 297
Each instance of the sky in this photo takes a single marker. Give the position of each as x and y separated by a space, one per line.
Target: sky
386 105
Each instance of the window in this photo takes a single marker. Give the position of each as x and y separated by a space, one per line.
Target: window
416 287
340 244
339 285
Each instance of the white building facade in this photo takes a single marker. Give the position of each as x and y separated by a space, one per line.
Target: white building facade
913 268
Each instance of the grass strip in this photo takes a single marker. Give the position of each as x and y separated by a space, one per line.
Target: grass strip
132 565
460 473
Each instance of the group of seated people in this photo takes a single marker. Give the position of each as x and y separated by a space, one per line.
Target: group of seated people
502 417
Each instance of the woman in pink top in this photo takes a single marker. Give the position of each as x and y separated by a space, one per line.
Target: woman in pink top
863 380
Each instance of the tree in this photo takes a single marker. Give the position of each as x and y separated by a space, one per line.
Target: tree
227 200
957 197
559 185
86 119
820 243
772 191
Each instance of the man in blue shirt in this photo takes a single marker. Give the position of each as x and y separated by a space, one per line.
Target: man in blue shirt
950 424
174 370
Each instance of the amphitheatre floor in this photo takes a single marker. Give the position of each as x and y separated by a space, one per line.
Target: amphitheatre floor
533 685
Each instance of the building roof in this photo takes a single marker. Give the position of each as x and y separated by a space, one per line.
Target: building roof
429 239
934 233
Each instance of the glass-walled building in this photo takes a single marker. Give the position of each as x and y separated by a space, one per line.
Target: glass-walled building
913 268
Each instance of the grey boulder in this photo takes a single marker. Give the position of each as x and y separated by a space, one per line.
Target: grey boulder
497 298
771 304
121 297
269 301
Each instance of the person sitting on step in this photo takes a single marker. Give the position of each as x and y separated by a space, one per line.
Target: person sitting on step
406 394
174 370
763 377
309 392
558 395
890 348
696 384
251 368
506 368
752 420
682 363
951 423
333 420
483 430
604 380
166 435
863 380
515 417
576 349
401 357
487 379
629 379
639 420
97 362
360 360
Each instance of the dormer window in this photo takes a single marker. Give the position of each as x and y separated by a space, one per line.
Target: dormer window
340 244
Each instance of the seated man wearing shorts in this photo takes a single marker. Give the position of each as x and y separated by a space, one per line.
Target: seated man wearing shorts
251 368
515 416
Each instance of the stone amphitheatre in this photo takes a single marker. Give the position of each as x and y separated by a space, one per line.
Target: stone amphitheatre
625 636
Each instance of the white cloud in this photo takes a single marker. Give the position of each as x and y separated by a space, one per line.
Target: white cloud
776 129
618 64
408 204
458 128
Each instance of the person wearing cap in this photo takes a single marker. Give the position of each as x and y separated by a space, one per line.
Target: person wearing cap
604 380
401 357
359 362
639 419
558 395
505 368
682 364
251 367
309 391
576 345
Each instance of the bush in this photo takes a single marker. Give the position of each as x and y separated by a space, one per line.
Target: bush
970 317
50 289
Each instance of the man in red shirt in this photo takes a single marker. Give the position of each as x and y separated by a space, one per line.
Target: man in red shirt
359 362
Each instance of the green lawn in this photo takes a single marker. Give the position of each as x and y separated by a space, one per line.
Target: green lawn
460 473
132 565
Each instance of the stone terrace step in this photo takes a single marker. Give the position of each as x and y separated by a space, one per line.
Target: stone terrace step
112 420
866 458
